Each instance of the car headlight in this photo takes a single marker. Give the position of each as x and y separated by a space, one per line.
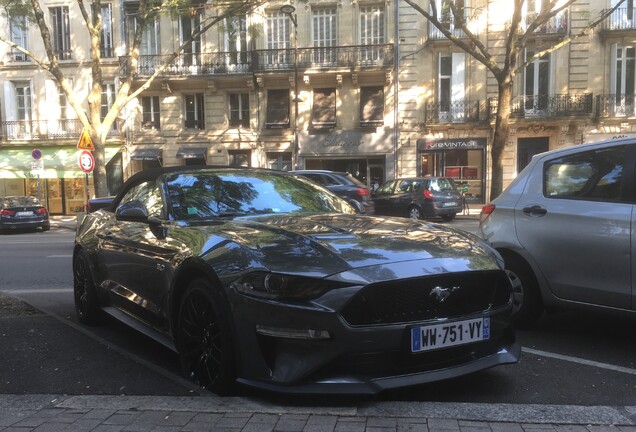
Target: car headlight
283 287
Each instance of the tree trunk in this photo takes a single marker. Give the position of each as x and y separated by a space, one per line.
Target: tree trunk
99 171
500 137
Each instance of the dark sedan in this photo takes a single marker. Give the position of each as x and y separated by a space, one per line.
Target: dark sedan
419 197
23 212
263 278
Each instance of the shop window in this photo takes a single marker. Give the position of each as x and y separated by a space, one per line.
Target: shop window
150 112
277 109
281 161
372 106
324 108
239 158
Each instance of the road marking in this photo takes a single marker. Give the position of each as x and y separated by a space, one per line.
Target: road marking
60 256
39 291
580 361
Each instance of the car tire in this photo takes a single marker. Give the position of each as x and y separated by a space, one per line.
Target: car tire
415 212
527 305
84 292
448 217
204 339
46 228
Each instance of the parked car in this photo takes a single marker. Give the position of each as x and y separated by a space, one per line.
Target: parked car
418 198
344 185
265 278
565 228
95 204
23 212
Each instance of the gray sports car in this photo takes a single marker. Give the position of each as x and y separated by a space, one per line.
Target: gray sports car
263 278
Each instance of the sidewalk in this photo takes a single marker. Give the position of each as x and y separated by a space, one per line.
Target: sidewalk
209 413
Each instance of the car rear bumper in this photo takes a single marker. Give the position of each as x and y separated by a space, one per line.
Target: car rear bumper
24 224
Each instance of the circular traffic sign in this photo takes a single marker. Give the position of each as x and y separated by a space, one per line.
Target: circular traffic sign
86 161
36 154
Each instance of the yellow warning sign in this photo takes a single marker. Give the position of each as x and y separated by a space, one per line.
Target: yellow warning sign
85 142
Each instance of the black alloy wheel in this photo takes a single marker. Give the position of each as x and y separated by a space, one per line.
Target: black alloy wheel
86 306
204 341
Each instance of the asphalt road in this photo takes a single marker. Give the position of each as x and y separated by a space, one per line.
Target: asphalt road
568 359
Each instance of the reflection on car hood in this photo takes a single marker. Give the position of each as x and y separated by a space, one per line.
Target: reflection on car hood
323 245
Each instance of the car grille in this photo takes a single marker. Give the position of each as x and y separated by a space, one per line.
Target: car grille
418 299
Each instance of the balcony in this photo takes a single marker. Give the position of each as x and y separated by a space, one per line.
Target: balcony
449 23
321 58
612 105
548 106
621 20
37 130
219 63
227 63
463 111
555 26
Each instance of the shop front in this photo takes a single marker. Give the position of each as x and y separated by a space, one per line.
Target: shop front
57 180
368 156
464 160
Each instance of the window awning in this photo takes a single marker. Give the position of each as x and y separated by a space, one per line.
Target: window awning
59 162
146 154
192 152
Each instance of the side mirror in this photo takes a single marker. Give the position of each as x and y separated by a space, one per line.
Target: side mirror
132 211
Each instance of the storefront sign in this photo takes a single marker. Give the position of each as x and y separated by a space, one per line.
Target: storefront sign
451 144
346 142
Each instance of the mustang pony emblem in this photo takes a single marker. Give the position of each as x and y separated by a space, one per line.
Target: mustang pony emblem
441 294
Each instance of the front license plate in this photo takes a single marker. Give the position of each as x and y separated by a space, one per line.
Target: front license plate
438 336
24 213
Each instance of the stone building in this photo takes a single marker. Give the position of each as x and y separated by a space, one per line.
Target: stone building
363 86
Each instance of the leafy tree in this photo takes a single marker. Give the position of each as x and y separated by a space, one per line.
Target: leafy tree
503 62
148 10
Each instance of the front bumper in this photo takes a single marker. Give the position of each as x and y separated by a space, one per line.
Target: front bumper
338 357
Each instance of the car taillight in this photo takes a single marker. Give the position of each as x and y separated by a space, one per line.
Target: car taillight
6 212
362 192
41 210
486 211
428 194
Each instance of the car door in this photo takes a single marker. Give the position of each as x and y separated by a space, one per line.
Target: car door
382 197
575 221
135 259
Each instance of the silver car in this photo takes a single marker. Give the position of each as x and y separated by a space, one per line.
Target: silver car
564 227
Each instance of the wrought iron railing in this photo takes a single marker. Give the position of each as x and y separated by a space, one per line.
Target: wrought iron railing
621 19
462 111
30 130
192 64
264 60
544 106
613 105
558 24
449 23
324 57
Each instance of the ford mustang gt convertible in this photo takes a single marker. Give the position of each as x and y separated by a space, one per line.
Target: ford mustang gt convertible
266 279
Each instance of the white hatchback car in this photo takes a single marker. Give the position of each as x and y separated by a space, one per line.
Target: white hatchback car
565 228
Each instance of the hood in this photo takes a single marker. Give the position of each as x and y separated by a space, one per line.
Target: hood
323 245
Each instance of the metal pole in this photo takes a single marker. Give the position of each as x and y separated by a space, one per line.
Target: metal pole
296 97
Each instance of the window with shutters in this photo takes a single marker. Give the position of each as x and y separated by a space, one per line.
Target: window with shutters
151 113
18 28
277 109
372 106
106 47
194 111
324 108
240 110
61 32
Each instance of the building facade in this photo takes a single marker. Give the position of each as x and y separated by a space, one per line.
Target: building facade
363 86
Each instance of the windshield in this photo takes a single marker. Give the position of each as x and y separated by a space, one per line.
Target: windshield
207 193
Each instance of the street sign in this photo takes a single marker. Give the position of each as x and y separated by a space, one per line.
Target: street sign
37 166
85 142
86 161
36 154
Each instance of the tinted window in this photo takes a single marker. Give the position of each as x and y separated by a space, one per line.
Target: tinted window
405 186
442 185
20 201
386 188
207 194
148 194
594 175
